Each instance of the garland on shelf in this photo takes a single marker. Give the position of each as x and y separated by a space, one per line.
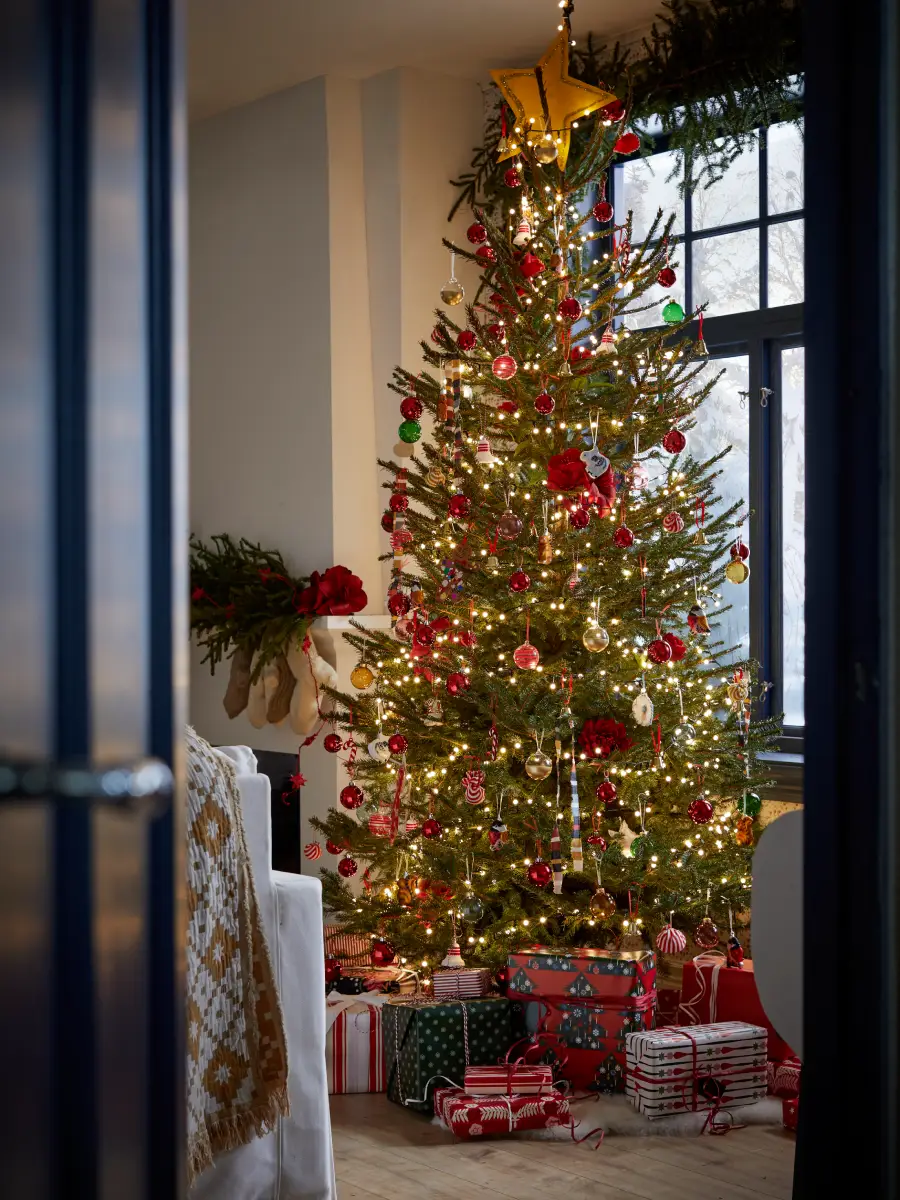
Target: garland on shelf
709 76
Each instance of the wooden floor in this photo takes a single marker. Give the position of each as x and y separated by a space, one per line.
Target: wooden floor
380 1150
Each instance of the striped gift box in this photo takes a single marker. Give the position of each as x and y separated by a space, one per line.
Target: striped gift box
523 1079
354 1046
463 983
350 949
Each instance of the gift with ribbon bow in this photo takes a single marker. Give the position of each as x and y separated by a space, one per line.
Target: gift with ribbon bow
710 993
476 1116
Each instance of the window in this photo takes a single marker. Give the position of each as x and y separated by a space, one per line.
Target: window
738 246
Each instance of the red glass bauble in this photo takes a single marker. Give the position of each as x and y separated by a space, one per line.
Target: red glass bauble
678 647
332 742
623 537
666 277
706 935
531 266
397 743
607 792
540 873
347 867
424 636
509 406
457 682
411 408
432 828
399 502
486 254
333 847
569 308
351 797
614 111
495 330
603 211
512 178
504 366
476 234
519 581
628 143
580 518
545 404
398 604
674 441
579 353
387 521
659 651
526 656
383 953
739 550
466 340
598 841
700 811
332 970
459 505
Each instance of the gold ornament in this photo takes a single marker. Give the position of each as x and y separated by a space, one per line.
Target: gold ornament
362 677
545 549
737 571
453 292
699 538
538 765
405 889
566 99
602 905
545 151
435 476
595 639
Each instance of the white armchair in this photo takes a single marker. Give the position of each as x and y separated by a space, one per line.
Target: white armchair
295 1161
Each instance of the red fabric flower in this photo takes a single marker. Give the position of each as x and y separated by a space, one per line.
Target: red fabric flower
566 472
600 736
337 593
602 492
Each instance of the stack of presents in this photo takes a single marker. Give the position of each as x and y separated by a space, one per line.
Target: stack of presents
572 1022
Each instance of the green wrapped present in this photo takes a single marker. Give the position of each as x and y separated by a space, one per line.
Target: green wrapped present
428 1045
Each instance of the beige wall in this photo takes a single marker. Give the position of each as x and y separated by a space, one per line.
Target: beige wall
315 263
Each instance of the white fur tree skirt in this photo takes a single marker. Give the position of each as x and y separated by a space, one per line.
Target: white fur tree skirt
615 1115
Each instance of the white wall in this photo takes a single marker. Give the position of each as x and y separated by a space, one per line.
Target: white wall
315 263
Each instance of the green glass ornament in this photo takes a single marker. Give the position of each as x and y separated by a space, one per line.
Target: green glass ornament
672 313
471 909
410 431
750 804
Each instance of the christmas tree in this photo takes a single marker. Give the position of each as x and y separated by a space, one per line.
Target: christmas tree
551 744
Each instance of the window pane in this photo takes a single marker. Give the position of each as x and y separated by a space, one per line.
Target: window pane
735 197
723 420
643 185
726 272
785 168
793 501
786 263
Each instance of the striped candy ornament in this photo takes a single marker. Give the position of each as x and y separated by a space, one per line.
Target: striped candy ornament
673 522
380 823
473 782
312 850
670 940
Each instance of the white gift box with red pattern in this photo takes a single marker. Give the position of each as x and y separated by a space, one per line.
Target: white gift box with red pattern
524 1079
354 1045
698 1068
475 1116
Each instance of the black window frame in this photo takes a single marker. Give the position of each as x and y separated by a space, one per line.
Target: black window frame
761 334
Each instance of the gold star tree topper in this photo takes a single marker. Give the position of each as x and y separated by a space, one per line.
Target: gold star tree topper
546 99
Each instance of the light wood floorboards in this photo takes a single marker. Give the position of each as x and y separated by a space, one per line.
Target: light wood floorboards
382 1151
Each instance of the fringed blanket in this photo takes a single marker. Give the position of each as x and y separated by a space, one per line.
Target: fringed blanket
237 1057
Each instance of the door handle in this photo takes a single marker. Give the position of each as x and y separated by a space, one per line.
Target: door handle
144 785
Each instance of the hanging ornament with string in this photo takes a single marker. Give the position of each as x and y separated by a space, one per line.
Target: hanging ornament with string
602 210
556 860
700 350
699 538
595 837
595 463
575 803
639 476
523 232
697 620
607 792
737 570
526 656
452 292
684 731
595 639
706 935
510 525
545 542
473 783
498 834
538 765
734 949
670 940
666 277
642 707
602 904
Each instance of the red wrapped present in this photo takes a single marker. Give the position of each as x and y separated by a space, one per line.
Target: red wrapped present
475 1116
587 1001
524 1079
711 991
784 1078
354 1044
667 1001
789 1111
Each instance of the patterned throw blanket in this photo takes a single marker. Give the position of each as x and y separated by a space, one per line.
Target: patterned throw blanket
237 1056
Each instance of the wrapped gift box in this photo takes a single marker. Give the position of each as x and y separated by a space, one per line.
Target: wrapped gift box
586 1001
433 1043
474 1116
525 1079
354 1044
789 1111
784 1078
711 992
462 983
681 1069
398 980
350 949
667 1002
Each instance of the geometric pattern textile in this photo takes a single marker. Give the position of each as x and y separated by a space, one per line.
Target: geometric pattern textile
237 1067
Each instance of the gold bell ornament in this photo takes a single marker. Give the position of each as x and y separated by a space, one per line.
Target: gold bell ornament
545 542
699 538
362 677
452 292
700 350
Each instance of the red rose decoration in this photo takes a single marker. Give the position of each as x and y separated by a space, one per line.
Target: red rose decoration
566 472
600 736
602 492
337 593
678 647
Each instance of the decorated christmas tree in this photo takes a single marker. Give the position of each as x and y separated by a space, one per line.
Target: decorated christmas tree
551 744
